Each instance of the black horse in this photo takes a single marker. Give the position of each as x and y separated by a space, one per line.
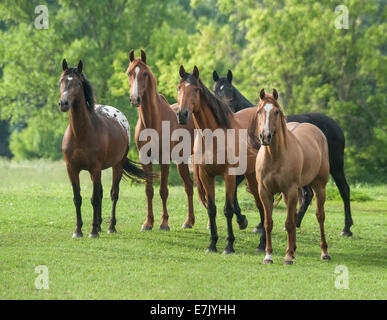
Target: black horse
224 89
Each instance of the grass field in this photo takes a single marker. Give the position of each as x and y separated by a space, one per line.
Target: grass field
37 218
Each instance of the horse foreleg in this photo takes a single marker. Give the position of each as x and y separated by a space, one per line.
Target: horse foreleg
96 201
291 198
229 212
148 224
209 187
267 201
114 193
188 187
164 195
74 179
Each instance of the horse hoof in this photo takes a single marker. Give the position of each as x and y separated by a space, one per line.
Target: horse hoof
146 228
288 262
346 233
112 230
186 226
164 228
211 250
228 251
93 235
325 257
258 229
77 235
267 261
243 225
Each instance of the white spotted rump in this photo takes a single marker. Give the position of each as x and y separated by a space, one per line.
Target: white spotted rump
116 114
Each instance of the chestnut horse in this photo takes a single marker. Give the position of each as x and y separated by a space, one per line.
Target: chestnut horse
97 138
228 93
286 161
153 110
209 113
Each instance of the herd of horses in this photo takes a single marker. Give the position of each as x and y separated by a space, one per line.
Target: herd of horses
292 156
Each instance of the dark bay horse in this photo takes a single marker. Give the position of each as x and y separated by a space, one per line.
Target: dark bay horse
97 138
153 110
286 161
225 90
212 115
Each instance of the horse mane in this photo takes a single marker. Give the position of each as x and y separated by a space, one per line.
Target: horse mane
252 134
219 109
87 88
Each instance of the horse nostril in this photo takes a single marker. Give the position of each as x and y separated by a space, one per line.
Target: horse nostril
269 136
261 136
138 100
186 113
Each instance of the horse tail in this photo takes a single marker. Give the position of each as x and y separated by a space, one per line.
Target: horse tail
134 172
199 185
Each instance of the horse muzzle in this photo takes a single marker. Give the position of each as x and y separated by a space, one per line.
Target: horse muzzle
64 105
182 117
265 138
135 101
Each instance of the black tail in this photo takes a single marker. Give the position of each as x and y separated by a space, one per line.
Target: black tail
135 173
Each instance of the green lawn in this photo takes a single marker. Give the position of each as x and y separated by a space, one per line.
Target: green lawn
37 218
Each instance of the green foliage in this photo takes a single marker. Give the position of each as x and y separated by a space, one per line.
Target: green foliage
291 45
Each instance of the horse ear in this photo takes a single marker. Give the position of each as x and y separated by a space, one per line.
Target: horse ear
229 76
131 55
215 76
195 72
80 66
262 93
143 56
182 72
275 94
64 65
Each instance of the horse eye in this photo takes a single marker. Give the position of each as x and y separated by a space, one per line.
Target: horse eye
276 112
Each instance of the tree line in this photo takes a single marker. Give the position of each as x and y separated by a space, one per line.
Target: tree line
292 45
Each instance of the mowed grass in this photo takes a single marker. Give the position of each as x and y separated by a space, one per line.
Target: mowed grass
37 218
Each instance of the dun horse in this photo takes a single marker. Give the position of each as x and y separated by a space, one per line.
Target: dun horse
227 92
286 161
153 109
97 138
208 112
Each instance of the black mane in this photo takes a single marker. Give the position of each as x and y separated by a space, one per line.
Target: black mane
87 88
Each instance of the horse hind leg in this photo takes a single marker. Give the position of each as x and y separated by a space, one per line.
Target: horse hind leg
307 196
342 185
188 187
114 194
241 219
320 195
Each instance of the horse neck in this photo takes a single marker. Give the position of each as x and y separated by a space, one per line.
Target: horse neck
80 122
204 118
240 101
278 143
149 112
